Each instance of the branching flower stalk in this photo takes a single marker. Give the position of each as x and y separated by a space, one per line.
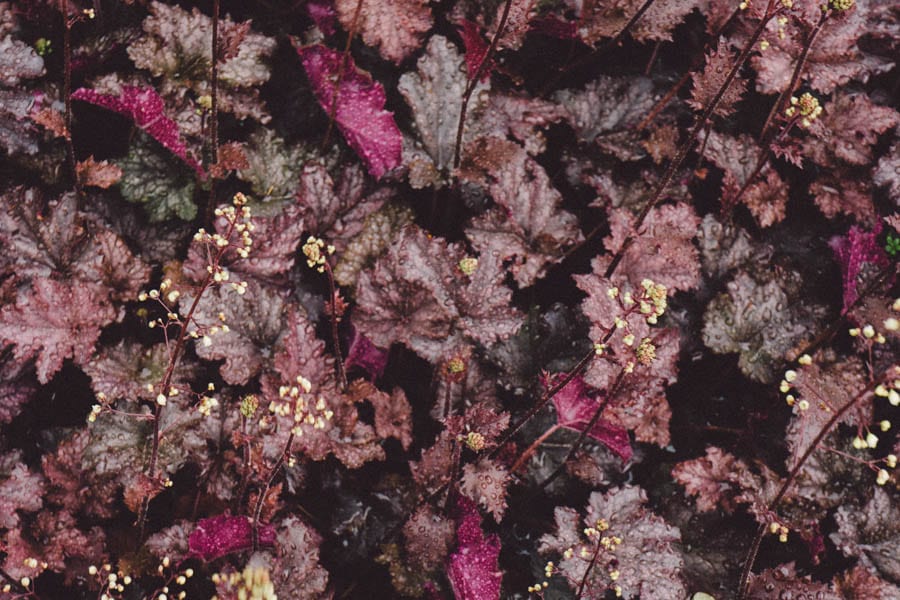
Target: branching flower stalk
316 253
237 222
767 133
249 404
803 111
750 558
781 104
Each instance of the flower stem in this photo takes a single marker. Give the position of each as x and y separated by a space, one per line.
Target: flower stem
533 447
340 374
792 476
262 494
473 82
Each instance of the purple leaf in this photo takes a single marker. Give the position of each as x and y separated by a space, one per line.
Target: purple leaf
359 111
367 356
218 536
473 570
145 107
851 251
574 409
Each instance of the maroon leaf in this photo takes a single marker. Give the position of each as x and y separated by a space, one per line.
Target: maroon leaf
222 535
419 295
664 250
359 110
428 537
52 322
476 50
708 81
707 478
145 107
367 356
485 482
848 130
396 27
531 227
574 410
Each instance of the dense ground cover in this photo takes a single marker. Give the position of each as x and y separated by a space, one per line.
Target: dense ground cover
457 299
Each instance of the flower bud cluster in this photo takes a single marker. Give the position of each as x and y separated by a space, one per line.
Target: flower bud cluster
650 303
468 265
840 5
254 582
806 106
780 530
112 585
296 401
315 257
597 541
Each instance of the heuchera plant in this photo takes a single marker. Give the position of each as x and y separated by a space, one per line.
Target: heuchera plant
449 300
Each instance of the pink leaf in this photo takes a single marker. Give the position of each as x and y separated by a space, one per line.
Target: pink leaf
473 570
574 410
218 536
852 251
145 107
359 111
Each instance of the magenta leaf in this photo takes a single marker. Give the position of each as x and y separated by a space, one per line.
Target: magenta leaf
218 536
359 111
574 409
852 251
323 15
145 107
473 570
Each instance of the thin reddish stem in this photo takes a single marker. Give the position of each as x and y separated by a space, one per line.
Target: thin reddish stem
781 103
257 511
214 113
473 82
657 195
340 374
533 447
